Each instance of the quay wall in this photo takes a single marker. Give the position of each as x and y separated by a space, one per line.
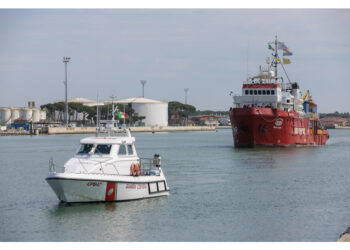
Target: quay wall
87 130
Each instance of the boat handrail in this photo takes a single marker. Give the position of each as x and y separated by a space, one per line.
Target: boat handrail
53 166
148 164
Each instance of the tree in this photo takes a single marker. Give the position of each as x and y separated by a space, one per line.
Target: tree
183 109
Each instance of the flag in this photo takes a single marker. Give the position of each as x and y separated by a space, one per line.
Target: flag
281 45
270 47
286 52
122 115
286 61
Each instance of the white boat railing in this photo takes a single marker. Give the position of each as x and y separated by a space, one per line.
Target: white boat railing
53 166
149 166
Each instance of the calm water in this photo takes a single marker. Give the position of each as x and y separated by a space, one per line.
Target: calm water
218 193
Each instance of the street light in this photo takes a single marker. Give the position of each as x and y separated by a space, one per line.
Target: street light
186 90
65 61
143 82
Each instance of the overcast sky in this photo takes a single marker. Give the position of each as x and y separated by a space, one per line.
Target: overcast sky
203 50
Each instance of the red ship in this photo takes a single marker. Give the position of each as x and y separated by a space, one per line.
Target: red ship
271 112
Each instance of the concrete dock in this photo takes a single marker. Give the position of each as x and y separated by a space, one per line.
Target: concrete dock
152 129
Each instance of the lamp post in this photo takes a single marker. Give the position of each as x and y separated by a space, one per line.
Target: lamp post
186 90
65 61
113 110
143 82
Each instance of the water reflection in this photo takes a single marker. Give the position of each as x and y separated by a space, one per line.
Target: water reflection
115 221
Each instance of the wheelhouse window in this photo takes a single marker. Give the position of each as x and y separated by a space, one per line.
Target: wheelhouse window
85 148
130 150
103 149
246 92
250 92
122 150
255 92
268 92
272 92
264 92
259 92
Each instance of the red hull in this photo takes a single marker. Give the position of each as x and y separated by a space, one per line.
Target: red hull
253 127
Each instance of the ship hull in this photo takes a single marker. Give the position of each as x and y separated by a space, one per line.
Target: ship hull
72 188
268 127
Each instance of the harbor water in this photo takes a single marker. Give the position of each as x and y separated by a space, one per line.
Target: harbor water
218 192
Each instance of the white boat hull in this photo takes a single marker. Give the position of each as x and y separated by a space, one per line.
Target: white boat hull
99 188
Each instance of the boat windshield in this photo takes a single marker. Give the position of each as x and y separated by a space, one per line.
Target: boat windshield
85 148
103 149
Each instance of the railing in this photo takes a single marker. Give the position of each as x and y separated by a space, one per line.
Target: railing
149 166
53 166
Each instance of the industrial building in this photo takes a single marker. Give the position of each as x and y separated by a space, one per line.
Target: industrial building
155 112
31 114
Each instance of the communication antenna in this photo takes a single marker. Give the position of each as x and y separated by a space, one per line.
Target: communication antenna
65 61
143 82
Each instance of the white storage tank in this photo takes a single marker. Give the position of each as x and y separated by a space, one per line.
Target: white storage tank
5 116
42 115
26 114
36 115
15 114
155 112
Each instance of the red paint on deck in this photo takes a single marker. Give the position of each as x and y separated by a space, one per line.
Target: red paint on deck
110 191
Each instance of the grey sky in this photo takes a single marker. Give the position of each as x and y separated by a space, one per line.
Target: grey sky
204 50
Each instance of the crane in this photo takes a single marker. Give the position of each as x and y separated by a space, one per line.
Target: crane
304 97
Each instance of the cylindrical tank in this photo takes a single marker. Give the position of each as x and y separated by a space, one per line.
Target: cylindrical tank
156 114
36 115
42 115
15 114
26 114
5 116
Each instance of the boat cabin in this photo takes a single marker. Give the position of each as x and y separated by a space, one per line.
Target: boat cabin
107 146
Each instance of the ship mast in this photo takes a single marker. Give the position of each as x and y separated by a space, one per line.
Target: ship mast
275 62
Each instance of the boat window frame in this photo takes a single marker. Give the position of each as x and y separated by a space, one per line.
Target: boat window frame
98 144
120 146
85 153
132 149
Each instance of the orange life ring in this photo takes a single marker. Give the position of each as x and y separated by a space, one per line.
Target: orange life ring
132 169
137 169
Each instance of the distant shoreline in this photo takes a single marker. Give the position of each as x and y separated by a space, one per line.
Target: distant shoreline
92 130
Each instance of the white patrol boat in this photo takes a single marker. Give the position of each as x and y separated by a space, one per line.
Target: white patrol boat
107 168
